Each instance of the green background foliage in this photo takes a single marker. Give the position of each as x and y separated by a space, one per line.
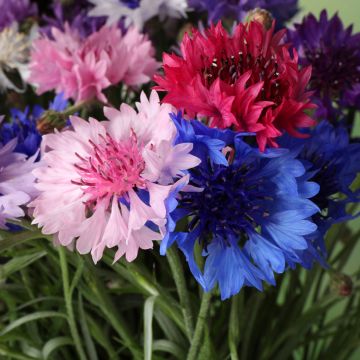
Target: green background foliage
349 10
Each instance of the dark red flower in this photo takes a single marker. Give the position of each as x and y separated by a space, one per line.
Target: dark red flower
247 81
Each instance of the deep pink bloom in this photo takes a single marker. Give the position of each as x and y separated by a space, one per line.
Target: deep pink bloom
247 81
102 183
16 182
81 69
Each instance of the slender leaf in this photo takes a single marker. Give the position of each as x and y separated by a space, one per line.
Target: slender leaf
148 332
55 344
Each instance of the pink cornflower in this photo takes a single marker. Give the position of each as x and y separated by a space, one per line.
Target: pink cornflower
103 183
16 182
81 69
248 81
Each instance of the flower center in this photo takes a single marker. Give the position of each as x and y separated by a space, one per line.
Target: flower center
229 69
334 72
114 168
229 203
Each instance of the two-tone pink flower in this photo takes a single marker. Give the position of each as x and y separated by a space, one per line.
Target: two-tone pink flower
106 184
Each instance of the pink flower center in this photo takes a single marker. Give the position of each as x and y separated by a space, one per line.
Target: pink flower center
114 168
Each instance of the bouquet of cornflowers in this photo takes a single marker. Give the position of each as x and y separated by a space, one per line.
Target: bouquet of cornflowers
177 181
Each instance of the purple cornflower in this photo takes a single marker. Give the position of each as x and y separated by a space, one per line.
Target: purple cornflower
15 10
334 54
282 10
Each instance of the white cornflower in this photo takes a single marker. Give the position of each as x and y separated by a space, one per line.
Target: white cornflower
14 57
114 10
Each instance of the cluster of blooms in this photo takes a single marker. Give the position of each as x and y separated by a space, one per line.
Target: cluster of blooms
247 161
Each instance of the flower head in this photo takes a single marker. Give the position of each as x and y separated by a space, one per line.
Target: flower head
23 126
333 162
81 69
15 11
248 210
111 187
137 12
16 182
247 81
334 54
74 14
282 10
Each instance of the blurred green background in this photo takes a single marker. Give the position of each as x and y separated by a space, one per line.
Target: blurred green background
349 10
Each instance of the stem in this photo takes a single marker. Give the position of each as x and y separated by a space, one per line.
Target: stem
178 274
76 107
350 118
200 324
69 308
107 306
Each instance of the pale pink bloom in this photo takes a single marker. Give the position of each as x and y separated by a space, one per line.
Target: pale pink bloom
95 178
82 69
16 182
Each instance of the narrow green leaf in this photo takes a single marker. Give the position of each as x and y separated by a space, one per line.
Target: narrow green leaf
54 344
8 239
77 276
170 328
169 347
31 317
148 333
90 347
10 354
19 263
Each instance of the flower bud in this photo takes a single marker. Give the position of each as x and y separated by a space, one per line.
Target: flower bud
51 120
341 284
262 16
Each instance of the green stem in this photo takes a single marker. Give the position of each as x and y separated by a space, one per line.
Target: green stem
106 304
180 282
69 308
200 324
76 108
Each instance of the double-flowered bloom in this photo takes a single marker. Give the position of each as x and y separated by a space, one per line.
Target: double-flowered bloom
247 81
111 180
83 68
334 54
332 161
249 210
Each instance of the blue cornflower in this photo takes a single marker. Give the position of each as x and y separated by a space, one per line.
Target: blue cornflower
248 210
333 51
282 10
23 126
333 162
132 4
